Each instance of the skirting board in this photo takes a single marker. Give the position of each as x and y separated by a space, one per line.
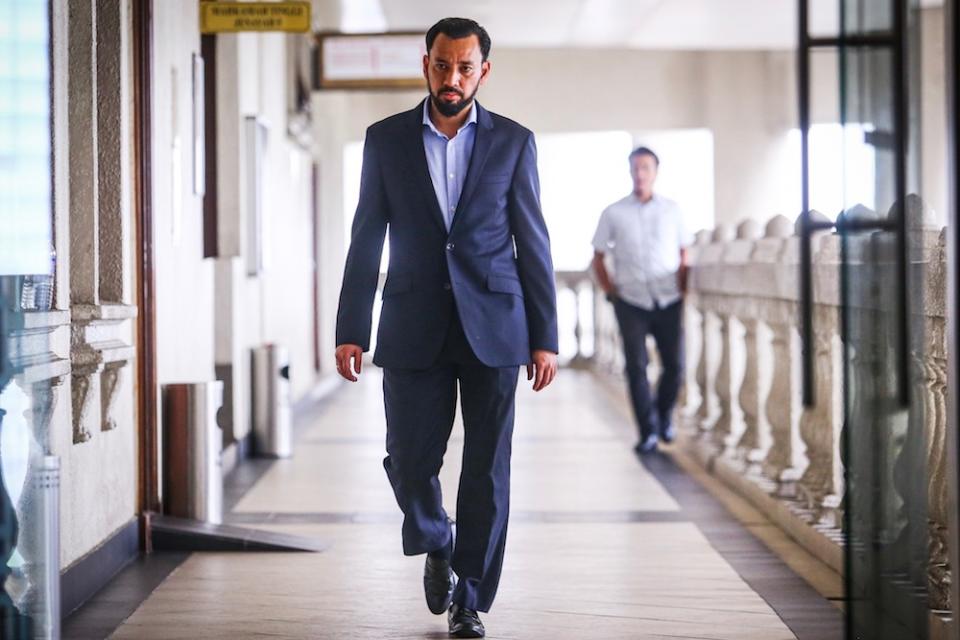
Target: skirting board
85 577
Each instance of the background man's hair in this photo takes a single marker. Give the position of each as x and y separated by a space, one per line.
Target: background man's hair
644 151
457 28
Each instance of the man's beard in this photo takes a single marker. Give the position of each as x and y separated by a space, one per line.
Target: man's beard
450 109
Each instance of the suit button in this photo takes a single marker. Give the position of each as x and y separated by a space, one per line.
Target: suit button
446 286
449 246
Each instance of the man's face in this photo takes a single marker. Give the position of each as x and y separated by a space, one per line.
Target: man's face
643 169
454 70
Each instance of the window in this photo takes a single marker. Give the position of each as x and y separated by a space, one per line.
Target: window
25 139
834 184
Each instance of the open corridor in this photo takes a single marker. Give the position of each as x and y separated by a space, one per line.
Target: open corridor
600 546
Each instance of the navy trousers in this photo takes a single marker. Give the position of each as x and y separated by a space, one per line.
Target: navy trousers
421 406
666 326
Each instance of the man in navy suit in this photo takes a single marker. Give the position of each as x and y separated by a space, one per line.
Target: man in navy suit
469 297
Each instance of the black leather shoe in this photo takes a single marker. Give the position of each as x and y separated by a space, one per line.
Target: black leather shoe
438 584
465 623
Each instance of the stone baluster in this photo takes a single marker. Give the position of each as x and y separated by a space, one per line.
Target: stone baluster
730 426
784 462
608 356
752 443
693 320
914 429
707 368
704 280
778 452
740 288
935 386
935 400
692 391
820 486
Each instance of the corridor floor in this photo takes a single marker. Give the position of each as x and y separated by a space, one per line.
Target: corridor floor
600 546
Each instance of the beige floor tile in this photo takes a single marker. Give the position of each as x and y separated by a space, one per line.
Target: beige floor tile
588 579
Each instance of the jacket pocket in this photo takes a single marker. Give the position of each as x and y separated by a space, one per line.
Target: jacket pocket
487 178
396 284
504 283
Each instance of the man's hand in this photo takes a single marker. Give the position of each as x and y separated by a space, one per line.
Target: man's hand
683 276
544 367
346 353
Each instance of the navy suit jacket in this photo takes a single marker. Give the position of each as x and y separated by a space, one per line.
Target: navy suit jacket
493 266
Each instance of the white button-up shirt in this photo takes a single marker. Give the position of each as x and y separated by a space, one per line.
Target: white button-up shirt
645 240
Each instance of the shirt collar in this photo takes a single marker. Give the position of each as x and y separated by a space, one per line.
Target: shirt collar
471 118
653 199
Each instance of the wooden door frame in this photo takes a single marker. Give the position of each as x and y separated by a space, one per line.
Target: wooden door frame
148 498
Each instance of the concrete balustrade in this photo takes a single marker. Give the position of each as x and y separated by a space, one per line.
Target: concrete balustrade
742 409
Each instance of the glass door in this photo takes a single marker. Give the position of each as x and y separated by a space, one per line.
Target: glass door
892 440
882 290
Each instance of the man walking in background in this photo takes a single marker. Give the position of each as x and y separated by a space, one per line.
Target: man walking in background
646 234
469 296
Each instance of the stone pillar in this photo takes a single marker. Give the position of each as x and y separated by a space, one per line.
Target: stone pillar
84 188
100 173
112 144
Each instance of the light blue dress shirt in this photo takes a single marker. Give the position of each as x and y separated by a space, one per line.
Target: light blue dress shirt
448 159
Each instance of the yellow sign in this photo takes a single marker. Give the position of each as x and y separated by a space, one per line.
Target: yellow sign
231 17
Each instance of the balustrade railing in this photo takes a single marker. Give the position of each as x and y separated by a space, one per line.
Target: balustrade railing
742 404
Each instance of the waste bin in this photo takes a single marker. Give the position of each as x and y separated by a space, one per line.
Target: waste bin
272 419
192 442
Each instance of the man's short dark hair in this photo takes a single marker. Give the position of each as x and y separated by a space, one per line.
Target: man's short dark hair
457 28
644 151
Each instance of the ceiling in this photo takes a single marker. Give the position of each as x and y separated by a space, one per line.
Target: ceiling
641 24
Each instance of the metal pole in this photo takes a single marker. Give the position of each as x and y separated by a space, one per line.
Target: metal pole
901 123
48 484
806 258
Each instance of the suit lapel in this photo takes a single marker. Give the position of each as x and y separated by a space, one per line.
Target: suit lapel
478 159
418 163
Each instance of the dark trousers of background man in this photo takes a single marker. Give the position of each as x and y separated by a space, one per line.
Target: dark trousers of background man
666 326
421 406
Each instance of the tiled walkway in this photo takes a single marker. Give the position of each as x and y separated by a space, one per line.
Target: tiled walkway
600 546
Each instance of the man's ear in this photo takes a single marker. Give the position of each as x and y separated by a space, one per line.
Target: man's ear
426 66
484 71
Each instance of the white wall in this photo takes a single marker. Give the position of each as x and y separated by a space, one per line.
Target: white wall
745 98
184 279
277 305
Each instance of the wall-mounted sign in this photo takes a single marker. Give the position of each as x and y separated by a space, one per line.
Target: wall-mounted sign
370 61
231 17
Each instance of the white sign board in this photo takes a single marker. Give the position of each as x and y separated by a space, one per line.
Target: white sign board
371 61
